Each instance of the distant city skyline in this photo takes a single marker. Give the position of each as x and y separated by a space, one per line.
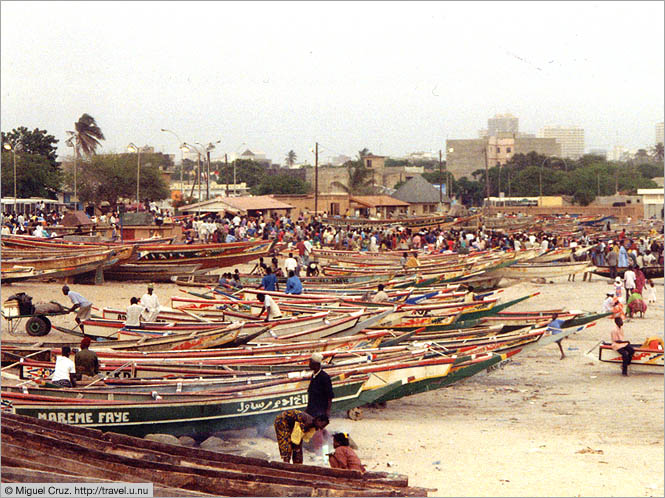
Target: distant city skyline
390 76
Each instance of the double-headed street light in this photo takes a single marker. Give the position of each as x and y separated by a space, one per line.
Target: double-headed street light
13 148
134 149
207 149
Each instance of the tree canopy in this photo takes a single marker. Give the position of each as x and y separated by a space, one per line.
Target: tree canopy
110 177
37 142
582 179
281 184
35 176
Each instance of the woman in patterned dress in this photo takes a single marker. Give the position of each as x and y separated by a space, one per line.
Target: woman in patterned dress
284 424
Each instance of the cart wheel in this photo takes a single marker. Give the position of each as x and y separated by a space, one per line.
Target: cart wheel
38 326
355 413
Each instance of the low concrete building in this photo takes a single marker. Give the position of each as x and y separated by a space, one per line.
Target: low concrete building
252 206
652 200
423 197
377 206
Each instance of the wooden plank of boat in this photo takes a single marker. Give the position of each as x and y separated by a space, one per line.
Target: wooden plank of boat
650 272
85 445
207 255
155 272
541 270
181 418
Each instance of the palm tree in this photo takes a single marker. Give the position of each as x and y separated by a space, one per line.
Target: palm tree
360 179
84 139
291 158
657 152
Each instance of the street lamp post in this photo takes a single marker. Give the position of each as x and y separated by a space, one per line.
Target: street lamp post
182 148
133 148
450 180
207 149
8 146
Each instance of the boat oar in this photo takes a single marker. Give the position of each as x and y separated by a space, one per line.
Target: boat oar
107 376
21 360
594 347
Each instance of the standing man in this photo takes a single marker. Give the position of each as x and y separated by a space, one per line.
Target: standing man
151 304
612 260
319 395
320 392
629 278
269 281
86 361
291 264
82 306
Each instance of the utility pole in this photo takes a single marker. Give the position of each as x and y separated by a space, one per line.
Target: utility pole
198 167
440 181
316 179
208 177
487 180
226 173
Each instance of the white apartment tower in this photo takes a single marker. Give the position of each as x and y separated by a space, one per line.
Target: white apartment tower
571 139
502 123
659 133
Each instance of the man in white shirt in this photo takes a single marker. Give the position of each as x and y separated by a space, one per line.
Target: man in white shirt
629 281
134 312
269 306
64 374
150 302
290 264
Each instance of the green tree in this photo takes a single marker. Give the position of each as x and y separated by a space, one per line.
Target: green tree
291 158
280 184
657 152
35 176
110 177
37 142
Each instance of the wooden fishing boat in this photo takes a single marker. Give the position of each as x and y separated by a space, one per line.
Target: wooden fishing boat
531 270
198 418
156 272
648 356
207 255
650 272
37 450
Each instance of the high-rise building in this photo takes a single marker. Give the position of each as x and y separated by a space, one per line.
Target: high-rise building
659 133
571 139
465 156
502 123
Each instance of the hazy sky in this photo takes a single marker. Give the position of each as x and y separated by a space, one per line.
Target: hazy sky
393 77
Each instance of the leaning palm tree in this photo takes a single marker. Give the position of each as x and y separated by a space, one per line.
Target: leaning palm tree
84 139
291 158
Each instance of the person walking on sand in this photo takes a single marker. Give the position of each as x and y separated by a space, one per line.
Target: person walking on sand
292 427
622 346
82 306
554 327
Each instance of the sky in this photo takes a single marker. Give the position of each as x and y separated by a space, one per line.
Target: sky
390 76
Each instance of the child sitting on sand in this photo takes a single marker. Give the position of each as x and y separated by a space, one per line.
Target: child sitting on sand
344 457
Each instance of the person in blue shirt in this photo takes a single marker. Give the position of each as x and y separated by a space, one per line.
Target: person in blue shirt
269 281
293 284
623 256
555 327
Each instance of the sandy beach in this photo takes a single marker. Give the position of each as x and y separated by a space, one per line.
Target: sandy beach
539 426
